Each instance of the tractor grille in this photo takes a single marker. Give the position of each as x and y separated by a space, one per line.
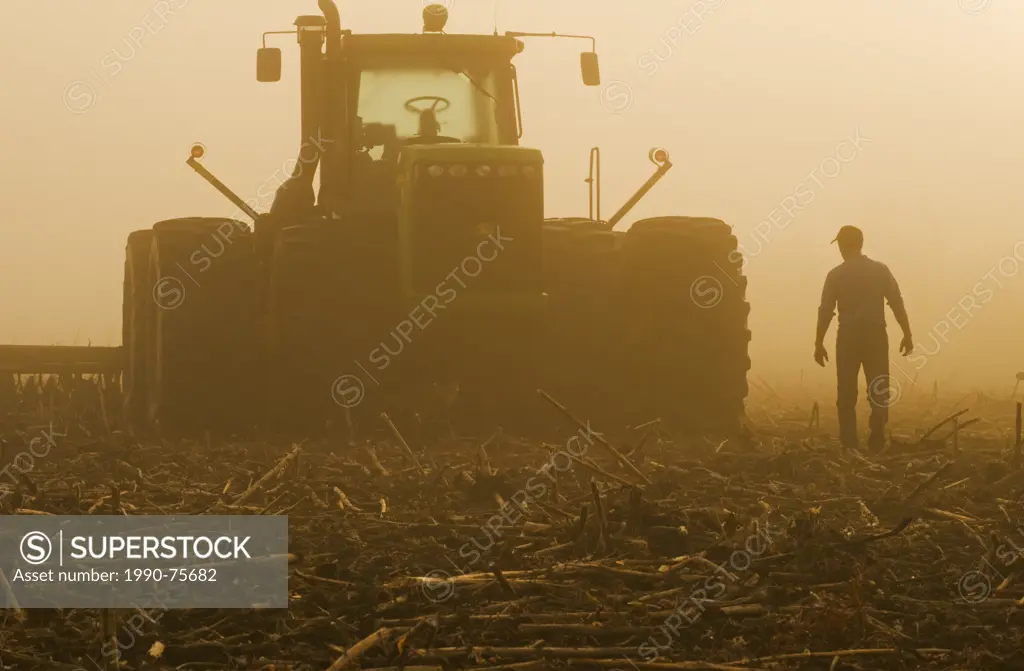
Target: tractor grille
480 226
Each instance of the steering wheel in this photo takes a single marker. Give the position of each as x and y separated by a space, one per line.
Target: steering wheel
432 111
410 106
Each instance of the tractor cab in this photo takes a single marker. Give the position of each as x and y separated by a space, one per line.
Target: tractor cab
372 97
418 90
429 89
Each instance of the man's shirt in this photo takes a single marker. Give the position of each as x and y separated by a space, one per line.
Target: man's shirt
860 287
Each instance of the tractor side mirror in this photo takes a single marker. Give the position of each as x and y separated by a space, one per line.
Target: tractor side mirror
268 64
589 68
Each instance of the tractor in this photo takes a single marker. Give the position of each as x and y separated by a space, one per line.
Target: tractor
423 270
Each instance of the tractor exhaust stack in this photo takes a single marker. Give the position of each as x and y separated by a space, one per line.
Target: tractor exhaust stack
311 32
295 196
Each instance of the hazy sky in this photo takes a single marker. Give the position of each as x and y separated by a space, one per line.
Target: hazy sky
901 117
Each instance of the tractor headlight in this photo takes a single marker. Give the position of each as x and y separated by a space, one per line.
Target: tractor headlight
481 169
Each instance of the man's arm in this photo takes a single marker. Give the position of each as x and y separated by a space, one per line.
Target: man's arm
827 309
895 300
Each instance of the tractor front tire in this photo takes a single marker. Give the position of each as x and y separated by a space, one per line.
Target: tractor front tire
684 302
583 366
203 359
137 310
300 318
332 299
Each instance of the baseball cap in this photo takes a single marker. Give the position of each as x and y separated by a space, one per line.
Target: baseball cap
850 234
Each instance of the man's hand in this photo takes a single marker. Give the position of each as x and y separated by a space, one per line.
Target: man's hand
906 345
820 355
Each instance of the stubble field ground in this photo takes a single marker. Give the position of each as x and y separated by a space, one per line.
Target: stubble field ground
774 550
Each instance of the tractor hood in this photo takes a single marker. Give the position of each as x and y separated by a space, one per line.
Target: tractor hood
473 206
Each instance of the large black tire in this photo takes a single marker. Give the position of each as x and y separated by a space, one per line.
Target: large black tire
137 310
299 318
684 303
332 299
204 355
582 362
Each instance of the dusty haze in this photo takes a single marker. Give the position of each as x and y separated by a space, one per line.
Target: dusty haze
787 120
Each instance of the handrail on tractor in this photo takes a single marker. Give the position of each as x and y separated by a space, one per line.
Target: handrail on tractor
593 180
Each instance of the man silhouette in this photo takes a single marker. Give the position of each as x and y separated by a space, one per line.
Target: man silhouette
860 287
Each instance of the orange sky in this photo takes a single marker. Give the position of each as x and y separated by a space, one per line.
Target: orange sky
751 98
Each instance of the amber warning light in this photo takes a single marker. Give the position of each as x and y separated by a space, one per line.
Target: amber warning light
198 151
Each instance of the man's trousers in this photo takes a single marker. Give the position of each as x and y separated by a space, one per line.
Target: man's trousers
870 352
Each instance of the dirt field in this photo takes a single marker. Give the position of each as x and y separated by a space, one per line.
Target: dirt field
770 551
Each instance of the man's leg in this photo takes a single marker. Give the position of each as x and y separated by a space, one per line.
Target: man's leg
876 370
847 371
